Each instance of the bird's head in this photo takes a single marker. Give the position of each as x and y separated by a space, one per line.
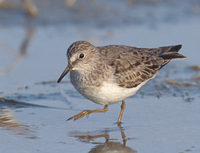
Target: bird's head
80 55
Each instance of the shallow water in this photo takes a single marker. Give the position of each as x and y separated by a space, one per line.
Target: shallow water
162 117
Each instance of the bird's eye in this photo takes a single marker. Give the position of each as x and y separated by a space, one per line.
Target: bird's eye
81 55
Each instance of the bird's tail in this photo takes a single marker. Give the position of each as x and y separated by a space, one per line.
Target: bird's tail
171 52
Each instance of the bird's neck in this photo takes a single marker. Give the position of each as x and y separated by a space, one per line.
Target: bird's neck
87 69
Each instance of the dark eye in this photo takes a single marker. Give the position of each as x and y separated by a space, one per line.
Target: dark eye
81 55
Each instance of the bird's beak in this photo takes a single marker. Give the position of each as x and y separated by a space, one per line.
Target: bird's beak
67 69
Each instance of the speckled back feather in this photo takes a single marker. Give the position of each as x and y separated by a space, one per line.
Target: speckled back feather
132 65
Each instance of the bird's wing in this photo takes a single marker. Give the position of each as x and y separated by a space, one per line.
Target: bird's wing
133 67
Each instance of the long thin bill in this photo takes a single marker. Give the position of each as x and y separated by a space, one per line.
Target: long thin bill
67 69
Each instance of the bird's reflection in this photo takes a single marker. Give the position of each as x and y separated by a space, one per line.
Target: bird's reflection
109 145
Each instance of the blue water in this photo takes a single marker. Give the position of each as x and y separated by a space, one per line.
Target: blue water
36 120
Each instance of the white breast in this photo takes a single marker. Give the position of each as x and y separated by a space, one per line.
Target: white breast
106 94
110 93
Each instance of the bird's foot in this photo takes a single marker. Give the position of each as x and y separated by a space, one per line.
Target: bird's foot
80 115
87 112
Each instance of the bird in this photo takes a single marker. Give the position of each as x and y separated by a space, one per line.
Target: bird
109 74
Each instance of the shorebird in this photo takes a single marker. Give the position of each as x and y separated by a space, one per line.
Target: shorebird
109 74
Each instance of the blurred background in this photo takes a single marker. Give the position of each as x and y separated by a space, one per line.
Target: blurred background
34 37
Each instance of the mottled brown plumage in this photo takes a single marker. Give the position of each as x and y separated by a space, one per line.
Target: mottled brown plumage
135 65
110 74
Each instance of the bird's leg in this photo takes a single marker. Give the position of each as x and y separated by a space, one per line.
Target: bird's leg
87 112
123 106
